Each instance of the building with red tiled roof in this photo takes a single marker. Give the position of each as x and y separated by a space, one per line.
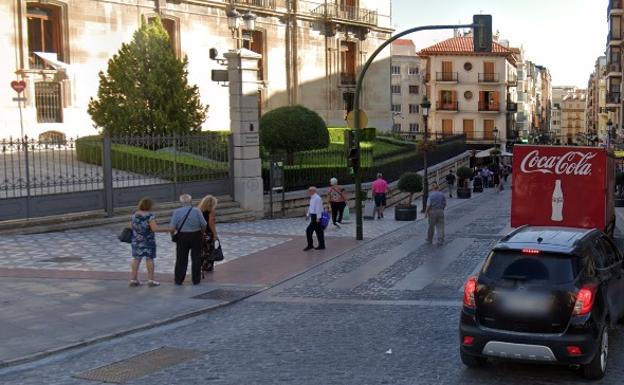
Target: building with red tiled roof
471 93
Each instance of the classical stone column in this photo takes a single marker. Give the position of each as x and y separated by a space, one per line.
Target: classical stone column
244 125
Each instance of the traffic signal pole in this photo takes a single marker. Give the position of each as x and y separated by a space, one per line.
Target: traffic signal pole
482 27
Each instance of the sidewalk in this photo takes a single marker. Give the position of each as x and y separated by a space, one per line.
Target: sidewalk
68 289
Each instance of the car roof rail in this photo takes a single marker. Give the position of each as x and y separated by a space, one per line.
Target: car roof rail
516 231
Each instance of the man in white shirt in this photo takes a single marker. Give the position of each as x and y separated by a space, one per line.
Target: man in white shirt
315 210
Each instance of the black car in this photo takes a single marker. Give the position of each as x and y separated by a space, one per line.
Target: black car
545 294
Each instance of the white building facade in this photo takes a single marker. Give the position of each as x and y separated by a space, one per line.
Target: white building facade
407 88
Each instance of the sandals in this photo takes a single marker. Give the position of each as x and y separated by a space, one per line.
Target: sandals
153 283
134 283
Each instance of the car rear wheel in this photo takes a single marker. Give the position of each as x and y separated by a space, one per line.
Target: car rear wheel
472 361
596 369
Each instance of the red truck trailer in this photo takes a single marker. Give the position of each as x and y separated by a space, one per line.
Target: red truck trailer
563 186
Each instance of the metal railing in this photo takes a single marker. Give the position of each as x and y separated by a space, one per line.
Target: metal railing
347 78
614 67
489 77
55 165
447 106
446 76
613 97
48 102
266 4
348 13
489 107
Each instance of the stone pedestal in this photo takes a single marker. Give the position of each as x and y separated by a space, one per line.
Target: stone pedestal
244 125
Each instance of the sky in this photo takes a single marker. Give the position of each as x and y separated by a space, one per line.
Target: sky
564 35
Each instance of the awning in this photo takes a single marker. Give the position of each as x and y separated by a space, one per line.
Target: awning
51 59
487 153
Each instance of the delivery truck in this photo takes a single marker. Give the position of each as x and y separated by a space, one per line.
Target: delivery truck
565 186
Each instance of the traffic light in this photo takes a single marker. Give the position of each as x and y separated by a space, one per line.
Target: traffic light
353 152
482 33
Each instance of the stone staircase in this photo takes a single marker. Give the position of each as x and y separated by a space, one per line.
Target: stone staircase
228 210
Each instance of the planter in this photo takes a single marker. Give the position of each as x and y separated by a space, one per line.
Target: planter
405 213
463 193
619 202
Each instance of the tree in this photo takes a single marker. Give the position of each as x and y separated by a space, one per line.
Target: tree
412 183
463 174
291 129
145 90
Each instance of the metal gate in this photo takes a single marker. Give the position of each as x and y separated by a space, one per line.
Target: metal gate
51 176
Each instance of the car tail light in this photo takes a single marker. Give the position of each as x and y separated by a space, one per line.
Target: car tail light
469 290
530 251
574 351
468 340
585 300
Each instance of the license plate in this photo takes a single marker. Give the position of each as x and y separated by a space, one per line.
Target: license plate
526 304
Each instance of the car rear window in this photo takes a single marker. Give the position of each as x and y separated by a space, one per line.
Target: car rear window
515 265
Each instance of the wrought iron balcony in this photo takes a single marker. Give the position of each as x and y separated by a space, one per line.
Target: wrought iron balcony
489 107
489 78
260 4
446 76
447 106
347 13
614 67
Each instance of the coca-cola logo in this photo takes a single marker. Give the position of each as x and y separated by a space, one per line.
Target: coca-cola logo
570 163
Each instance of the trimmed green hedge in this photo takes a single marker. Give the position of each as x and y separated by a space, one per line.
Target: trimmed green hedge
157 164
336 134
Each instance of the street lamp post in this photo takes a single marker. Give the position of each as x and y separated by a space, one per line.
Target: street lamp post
495 131
482 32
234 24
424 107
609 128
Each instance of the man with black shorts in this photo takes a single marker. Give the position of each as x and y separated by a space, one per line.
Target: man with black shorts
380 189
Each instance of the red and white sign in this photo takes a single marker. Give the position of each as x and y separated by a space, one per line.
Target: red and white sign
562 186
18 86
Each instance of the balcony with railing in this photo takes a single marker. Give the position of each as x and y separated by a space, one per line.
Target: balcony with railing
512 81
613 98
447 106
614 69
489 107
271 5
616 7
450 77
614 37
489 78
347 79
347 13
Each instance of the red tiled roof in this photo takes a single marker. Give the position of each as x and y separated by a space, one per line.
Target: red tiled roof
406 42
462 46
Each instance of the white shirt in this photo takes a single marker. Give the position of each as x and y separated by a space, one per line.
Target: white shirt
316 206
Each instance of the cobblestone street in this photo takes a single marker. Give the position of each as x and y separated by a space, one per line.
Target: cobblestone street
383 313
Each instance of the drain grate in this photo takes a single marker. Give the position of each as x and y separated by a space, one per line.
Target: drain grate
139 365
62 259
226 294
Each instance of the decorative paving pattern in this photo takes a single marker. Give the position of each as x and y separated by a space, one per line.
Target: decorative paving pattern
100 250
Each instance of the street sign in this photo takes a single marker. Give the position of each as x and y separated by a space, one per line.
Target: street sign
277 175
21 99
351 119
18 86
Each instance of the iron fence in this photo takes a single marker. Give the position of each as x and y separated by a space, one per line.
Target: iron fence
56 165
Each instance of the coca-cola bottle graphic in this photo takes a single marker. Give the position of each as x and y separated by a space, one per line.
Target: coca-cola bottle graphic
557 203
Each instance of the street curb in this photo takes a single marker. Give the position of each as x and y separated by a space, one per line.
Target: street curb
107 337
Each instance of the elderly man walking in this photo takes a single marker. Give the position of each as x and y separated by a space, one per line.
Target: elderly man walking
436 204
315 210
189 223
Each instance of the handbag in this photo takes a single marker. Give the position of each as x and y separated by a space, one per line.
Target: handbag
174 236
216 253
325 219
126 235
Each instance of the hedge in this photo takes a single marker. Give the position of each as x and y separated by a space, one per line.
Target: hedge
299 177
157 164
336 134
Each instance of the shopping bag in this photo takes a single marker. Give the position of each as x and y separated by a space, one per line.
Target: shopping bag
346 214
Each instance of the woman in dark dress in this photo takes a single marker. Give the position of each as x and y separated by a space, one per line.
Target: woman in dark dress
208 206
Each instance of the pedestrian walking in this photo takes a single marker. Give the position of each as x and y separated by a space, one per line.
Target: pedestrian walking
485 176
315 210
189 224
337 198
380 189
497 179
144 229
436 204
208 206
450 182
506 172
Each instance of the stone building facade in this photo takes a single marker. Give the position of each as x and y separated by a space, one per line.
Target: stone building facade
311 53
407 88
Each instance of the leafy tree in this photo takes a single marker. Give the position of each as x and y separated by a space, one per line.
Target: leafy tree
291 129
463 174
145 90
412 183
